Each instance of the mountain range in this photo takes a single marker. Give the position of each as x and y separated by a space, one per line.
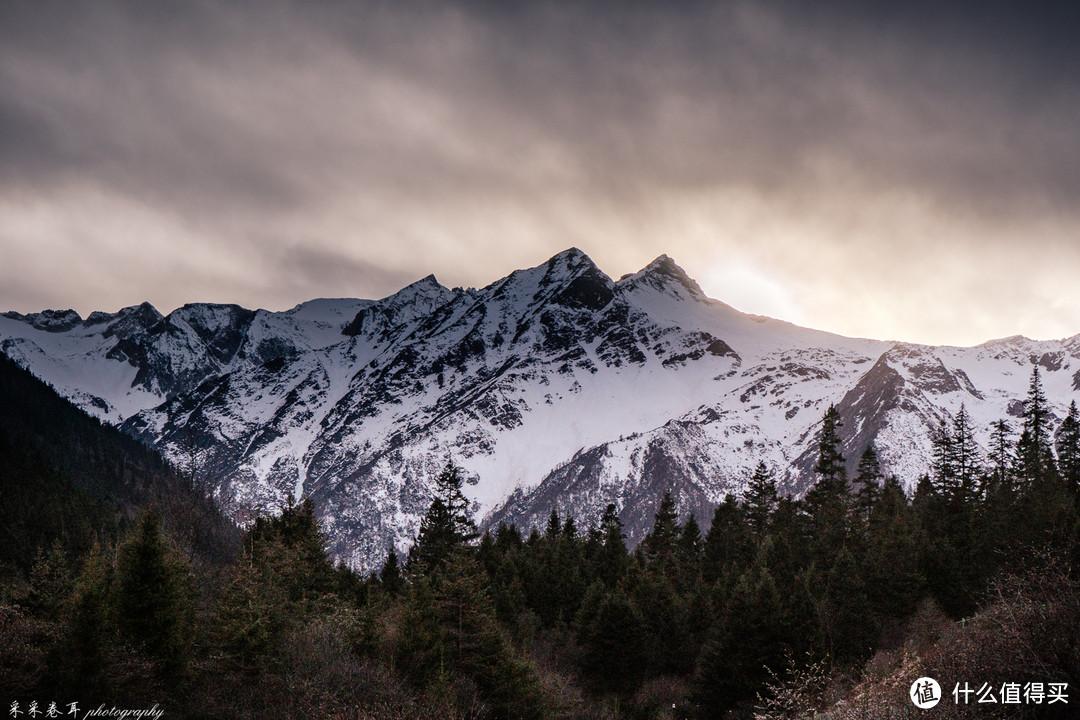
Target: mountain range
554 388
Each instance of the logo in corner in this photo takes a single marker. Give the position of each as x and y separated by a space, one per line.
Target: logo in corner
925 693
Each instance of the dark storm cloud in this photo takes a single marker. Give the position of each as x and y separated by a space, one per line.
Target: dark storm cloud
246 103
303 149
304 268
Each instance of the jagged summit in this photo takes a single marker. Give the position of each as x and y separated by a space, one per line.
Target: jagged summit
569 256
408 305
133 318
427 281
48 320
665 275
425 286
143 314
567 265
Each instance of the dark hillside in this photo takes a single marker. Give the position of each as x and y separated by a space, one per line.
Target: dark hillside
65 476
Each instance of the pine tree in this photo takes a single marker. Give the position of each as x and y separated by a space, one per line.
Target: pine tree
827 501
956 464
420 651
390 576
568 577
1069 449
750 637
552 576
85 643
250 621
830 463
689 545
446 527
154 596
944 462
760 499
613 556
728 543
448 489
660 542
869 479
893 583
554 526
1001 455
1036 411
967 462
467 617
1034 457
291 548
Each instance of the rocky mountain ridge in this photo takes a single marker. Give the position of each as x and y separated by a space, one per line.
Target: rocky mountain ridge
555 387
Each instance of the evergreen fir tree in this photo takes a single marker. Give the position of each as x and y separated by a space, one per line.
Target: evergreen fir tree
690 544
613 556
447 525
869 479
250 622
967 462
448 489
728 543
760 499
1026 466
893 582
1069 449
87 638
746 641
943 462
1034 457
154 596
467 618
845 611
554 526
292 549
420 651
660 542
1037 411
390 576
1001 455
827 500
830 463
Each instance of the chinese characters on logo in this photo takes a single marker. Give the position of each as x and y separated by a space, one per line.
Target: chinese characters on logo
1012 693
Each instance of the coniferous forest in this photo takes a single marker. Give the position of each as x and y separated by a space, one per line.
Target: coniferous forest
122 585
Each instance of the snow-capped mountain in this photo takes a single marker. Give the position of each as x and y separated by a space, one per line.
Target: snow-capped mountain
555 387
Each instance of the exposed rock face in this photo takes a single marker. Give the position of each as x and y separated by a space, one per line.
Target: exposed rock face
555 387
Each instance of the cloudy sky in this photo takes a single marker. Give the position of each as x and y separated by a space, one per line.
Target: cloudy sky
893 170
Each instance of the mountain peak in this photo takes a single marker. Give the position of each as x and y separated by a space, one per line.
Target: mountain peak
570 253
131 319
406 305
143 310
425 287
663 274
571 261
